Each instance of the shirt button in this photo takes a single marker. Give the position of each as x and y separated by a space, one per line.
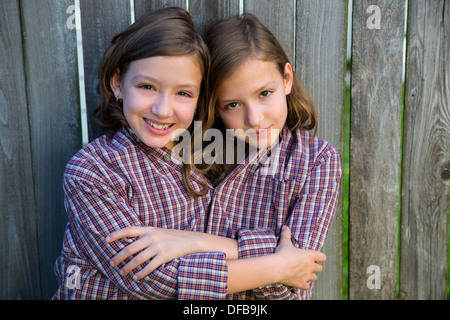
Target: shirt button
269 153
167 157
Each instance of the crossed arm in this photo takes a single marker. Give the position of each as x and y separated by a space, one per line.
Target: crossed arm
159 246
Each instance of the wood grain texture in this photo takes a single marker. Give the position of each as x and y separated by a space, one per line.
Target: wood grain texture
321 65
426 152
376 87
205 11
54 112
19 276
101 20
279 17
144 6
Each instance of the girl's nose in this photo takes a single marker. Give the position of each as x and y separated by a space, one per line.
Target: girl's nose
162 108
254 116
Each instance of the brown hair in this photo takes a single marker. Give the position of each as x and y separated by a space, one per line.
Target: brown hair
164 32
233 40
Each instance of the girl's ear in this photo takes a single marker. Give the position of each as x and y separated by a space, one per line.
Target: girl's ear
116 84
288 78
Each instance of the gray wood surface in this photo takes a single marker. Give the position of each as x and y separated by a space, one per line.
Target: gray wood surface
54 116
19 276
205 11
101 20
321 31
426 153
376 87
143 6
279 17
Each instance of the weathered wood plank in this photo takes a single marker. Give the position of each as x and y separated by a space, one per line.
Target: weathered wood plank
376 87
426 162
321 32
144 6
100 21
279 17
53 104
18 228
205 11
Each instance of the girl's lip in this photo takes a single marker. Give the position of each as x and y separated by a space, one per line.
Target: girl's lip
158 122
262 132
158 131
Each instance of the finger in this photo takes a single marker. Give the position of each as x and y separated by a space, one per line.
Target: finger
305 286
149 268
127 232
320 257
318 268
138 260
285 234
313 277
128 251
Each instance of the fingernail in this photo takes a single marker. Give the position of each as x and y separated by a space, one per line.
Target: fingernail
107 239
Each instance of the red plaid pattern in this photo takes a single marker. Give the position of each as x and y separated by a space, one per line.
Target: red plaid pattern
115 182
252 205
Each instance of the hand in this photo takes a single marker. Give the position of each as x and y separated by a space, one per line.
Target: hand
298 266
157 245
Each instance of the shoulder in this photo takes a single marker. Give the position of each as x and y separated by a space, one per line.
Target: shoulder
305 152
100 157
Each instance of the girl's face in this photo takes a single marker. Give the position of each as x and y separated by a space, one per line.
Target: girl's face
253 99
159 96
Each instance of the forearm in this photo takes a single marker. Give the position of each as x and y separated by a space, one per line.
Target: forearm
247 274
211 243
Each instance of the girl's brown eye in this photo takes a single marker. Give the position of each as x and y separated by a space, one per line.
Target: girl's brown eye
265 93
184 94
231 106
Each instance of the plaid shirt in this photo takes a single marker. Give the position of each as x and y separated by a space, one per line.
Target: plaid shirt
114 181
298 188
117 181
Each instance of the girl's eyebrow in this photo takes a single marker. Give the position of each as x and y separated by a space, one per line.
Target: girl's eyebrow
143 77
260 89
264 87
140 77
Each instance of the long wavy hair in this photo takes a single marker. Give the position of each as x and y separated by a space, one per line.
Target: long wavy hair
231 42
164 32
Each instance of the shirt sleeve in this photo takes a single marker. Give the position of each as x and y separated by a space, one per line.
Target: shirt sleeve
96 209
309 221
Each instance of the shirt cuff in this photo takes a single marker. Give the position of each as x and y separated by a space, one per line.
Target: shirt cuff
256 242
202 276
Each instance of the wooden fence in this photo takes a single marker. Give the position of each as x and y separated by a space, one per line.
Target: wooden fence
398 172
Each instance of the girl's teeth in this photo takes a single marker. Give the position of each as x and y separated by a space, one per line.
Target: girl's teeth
158 126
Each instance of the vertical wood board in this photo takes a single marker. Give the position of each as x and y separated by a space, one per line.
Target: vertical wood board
321 30
18 222
376 87
53 103
426 162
